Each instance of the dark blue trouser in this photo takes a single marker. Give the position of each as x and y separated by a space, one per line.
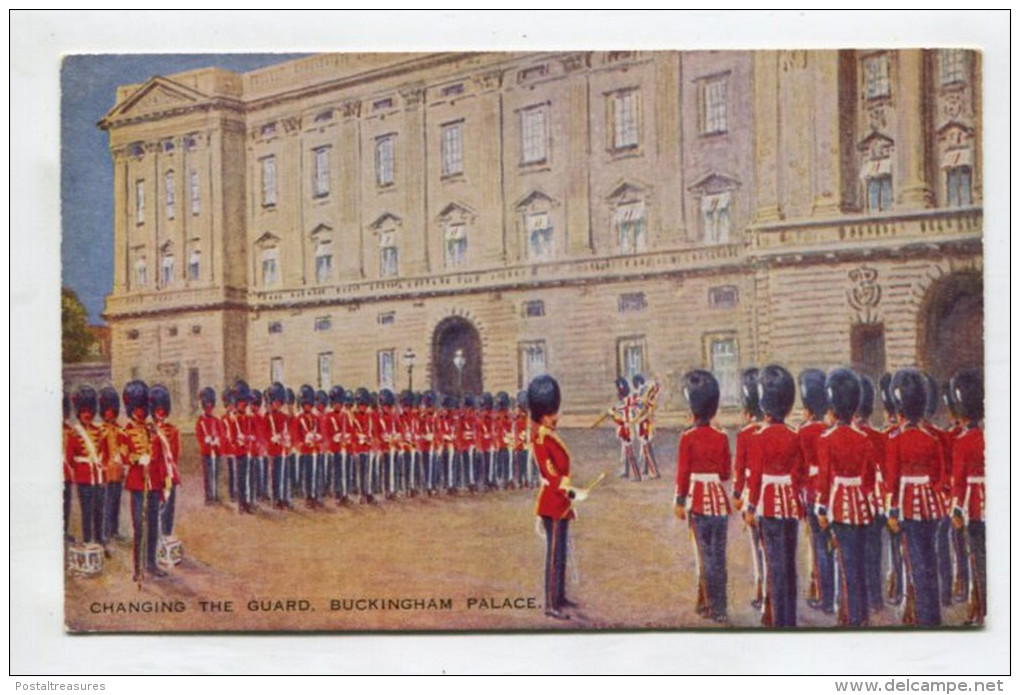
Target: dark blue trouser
279 472
263 477
338 466
779 539
944 560
896 569
243 469
146 527
924 569
555 561
976 535
873 562
852 563
824 566
67 504
232 477
169 509
210 478
111 513
91 500
310 475
503 466
710 535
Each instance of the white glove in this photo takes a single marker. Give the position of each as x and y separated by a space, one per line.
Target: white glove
144 459
580 494
275 439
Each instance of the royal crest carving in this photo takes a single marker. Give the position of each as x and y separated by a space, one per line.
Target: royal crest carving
865 293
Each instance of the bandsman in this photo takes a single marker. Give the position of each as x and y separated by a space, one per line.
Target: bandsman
703 465
914 461
623 417
742 469
167 442
68 469
968 497
821 594
209 433
845 485
84 443
775 490
647 400
146 478
113 454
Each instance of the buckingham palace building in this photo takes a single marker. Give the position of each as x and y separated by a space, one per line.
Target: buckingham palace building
360 219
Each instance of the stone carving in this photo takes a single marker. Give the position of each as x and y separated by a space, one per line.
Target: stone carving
351 109
866 292
793 60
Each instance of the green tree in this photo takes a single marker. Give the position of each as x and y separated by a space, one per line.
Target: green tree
76 338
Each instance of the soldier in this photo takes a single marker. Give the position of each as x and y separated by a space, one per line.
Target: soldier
873 542
914 464
364 433
349 443
146 478
487 442
208 432
503 438
961 578
703 465
388 443
167 442
466 445
228 453
775 488
259 463
646 400
943 554
623 415
241 432
742 468
112 453
307 438
556 495
446 432
291 479
322 450
527 472
821 594
428 441
897 572
68 468
333 432
278 429
845 484
407 425
968 392
83 447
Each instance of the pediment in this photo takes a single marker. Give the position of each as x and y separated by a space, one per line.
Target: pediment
158 94
267 240
456 212
954 130
536 199
321 231
627 191
714 182
876 140
387 219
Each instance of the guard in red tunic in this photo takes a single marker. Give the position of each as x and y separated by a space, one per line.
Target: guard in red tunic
821 593
446 432
873 543
406 423
308 435
389 442
277 431
623 417
845 484
961 578
968 390
167 444
914 462
527 472
210 438
428 441
646 400
465 445
502 436
240 429
113 455
68 469
775 489
556 495
487 441
364 434
742 469
146 478
83 446
332 431
897 572
228 453
943 552
703 465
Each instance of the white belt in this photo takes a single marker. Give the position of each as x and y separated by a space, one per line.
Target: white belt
847 482
915 480
975 479
705 478
776 480
812 470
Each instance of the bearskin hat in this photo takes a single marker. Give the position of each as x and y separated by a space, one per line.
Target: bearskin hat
931 395
622 388
749 393
543 397
276 393
306 395
776 392
386 398
867 405
968 390
242 393
843 391
136 395
406 398
702 393
522 399
85 399
207 396
812 391
256 398
109 399
502 400
159 399
885 391
362 396
910 393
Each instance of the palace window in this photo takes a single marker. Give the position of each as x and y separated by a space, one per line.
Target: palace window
534 135
713 106
323 261
715 218
141 272
193 264
323 323
168 194
534 309
625 119
723 364
958 187
533 361
455 244
269 181
275 327
387 362
387 318
140 201
384 160
270 267
195 191
452 148
876 76
952 65
325 370
724 297
167 269
388 257
632 301
540 236
879 190
276 370
630 354
630 227
190 143
321 172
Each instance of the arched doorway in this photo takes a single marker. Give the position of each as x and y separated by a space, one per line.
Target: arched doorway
951 325
453 334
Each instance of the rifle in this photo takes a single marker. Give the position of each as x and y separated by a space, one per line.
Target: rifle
842 611
910 602
814 584
975 597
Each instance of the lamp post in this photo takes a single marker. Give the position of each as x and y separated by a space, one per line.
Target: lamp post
459 362
409 364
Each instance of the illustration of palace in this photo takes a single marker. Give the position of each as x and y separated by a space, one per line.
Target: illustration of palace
343 217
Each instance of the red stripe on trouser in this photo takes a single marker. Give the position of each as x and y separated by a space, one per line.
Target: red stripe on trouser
699 557
550 580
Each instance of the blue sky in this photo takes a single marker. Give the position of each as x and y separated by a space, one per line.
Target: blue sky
88 89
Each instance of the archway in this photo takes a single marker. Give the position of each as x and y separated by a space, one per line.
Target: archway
453 334
951 325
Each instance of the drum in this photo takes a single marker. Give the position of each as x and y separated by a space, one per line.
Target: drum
85 560
169 552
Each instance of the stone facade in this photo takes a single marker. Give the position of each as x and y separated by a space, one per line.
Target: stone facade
590 214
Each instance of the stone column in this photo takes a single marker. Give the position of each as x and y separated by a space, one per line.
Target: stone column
668 135
351 235
577 204
766 137
414 249
911 172
121 243
827 183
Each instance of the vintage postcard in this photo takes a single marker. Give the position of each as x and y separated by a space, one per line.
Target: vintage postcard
499 341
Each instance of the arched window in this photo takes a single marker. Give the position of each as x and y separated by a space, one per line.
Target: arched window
194 259
168 194
141 272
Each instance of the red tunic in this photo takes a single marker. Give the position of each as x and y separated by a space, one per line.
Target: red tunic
277 431
521 431
554 465
486 430
426 430
113 451
362 431
969 473
141 448
389 434
308 434
166 440
82 448
503 426
914 461
445 432
68 468
466 423
209 433
703 463
807 435
227 430
742 460
879 491
778 473
846 475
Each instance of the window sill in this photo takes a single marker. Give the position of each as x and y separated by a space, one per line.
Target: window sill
453 178
714 134
625 153
534 167
385 187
